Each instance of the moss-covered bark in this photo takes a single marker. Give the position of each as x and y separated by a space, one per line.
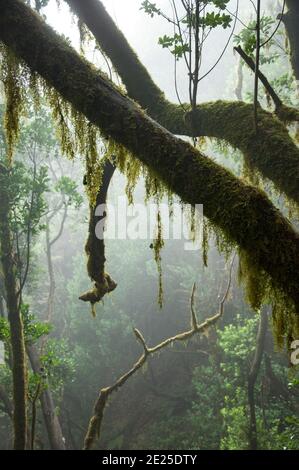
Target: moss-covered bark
244 213
15 320
95 246
273 153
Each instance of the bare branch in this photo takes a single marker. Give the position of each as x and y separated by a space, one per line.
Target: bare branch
95 423
64 217
283 112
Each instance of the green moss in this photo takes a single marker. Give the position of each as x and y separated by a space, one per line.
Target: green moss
13 77
260 290
77 136
270 154
243 213
158 245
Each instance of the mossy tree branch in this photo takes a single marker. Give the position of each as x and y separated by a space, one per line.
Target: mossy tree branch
242 212
95 247
271 152
94 428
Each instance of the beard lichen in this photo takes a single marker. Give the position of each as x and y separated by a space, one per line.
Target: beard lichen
259 290
77 135
13 75
133 169
158 244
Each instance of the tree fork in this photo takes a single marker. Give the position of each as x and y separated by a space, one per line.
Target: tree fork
244 213
269 152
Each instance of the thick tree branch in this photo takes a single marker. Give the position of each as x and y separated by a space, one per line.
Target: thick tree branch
244 213
270 152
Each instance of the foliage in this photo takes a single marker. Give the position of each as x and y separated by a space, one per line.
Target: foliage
4 329
33 329
58 363
68 187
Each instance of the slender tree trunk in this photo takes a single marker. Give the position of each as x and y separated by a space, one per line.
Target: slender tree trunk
240 79
1 307
243 213
51 420
52 285
19 371
8 408
253 374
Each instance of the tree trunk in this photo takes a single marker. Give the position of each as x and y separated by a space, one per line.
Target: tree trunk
272 152
244 213
291 22
1 306
19 371
253 374
8 408
48 407
52 285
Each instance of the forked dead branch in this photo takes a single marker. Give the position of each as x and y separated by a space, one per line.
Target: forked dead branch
95 424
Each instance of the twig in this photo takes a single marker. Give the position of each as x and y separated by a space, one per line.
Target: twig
249 61
283 112
61 227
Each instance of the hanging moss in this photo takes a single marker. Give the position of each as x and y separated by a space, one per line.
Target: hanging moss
205 242
76 137
60 114
244 213
260 290
271 152
132 171
158 245
13 77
